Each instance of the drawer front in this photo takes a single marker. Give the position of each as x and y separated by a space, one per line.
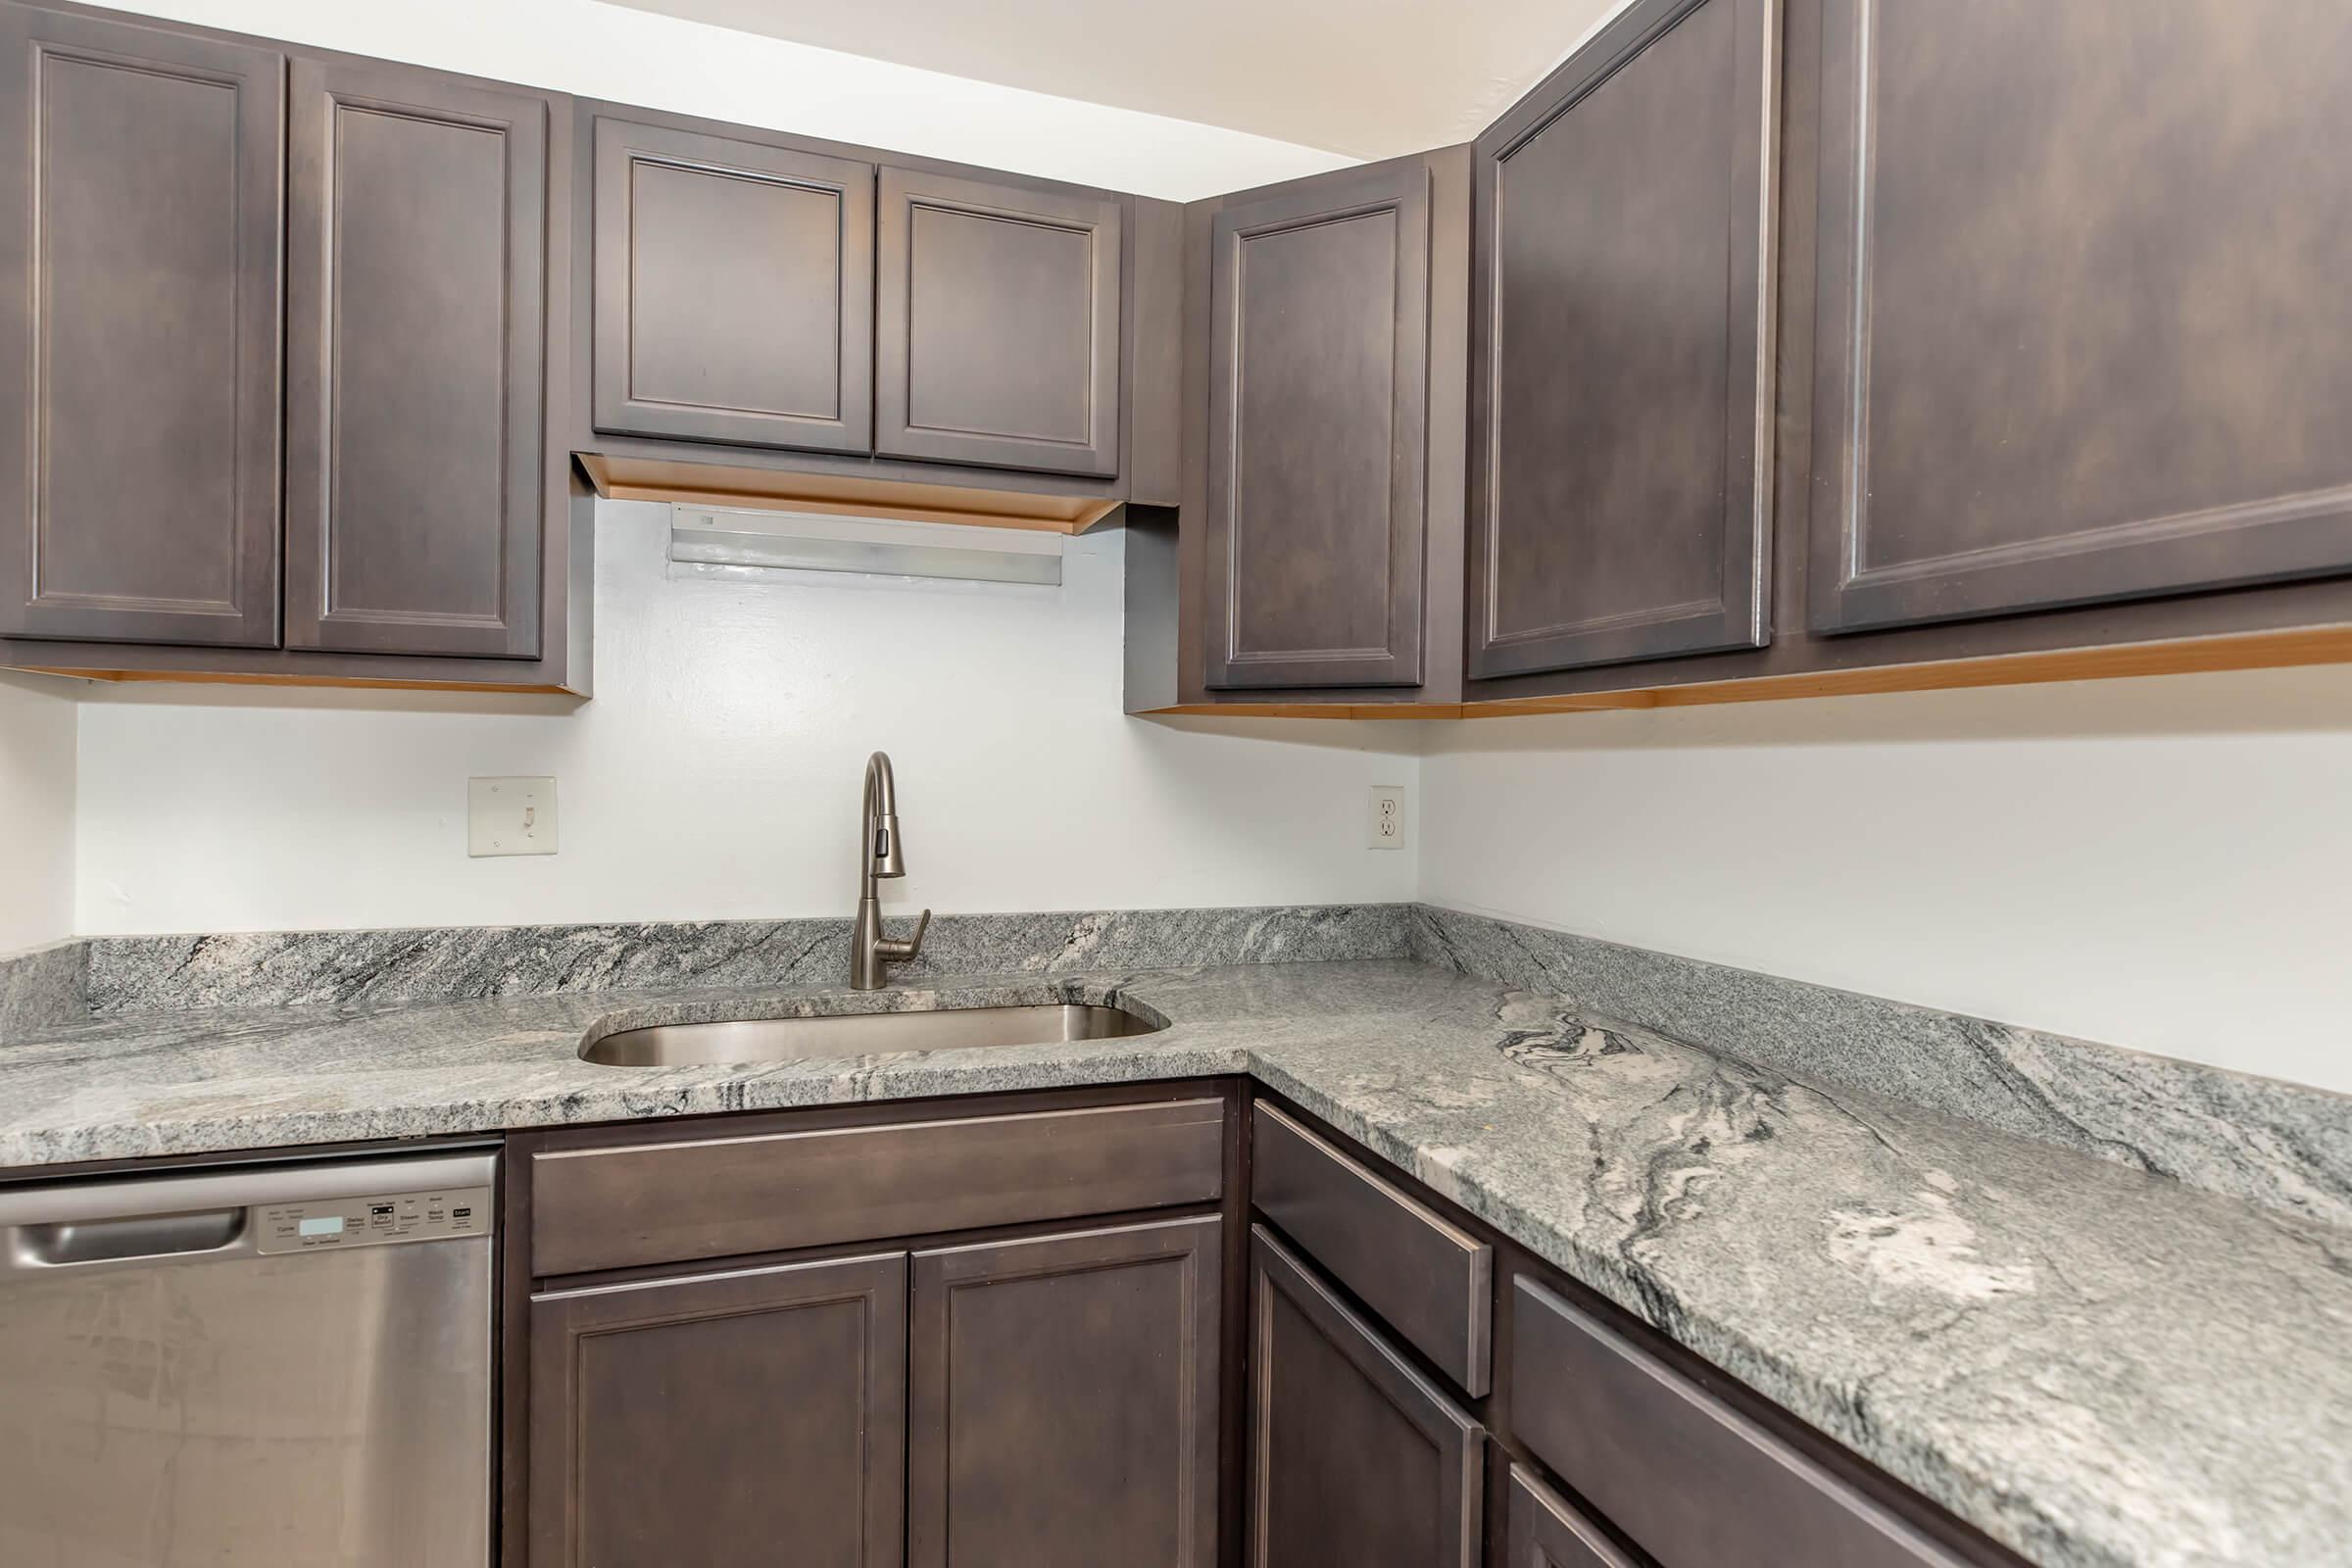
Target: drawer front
1611 1419
619 1208
1430 1280
1547 1531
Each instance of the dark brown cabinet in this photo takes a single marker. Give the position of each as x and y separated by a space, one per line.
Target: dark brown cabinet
140 332
716 1419
1621 400
1063 1409
997 330
1318 433
2083 323
1354 1456
1544 1530
417 363
734 295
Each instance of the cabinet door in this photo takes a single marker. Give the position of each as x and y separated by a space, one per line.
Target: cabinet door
140 320
415 363
1622 405
750 1417
1318 434
734 290
1547 1531
997 332
1354 1456
1064 1400
2084 332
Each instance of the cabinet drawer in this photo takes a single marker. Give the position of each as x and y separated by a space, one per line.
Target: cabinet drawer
1547 1531
1430 1280
618 1208
1611 1419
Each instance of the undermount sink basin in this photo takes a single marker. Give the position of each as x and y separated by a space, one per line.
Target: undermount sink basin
678 1045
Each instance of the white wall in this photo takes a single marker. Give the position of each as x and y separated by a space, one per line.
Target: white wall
37 813
2162 863
633 57
716 771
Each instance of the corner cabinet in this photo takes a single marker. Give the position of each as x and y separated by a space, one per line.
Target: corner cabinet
140 332
1318 416
1622 393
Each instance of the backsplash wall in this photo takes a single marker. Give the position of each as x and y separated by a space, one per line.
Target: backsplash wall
717 774
2162 863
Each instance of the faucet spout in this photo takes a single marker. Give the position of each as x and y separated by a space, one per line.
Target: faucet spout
871 951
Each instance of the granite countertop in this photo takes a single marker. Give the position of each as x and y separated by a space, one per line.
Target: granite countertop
2095 1365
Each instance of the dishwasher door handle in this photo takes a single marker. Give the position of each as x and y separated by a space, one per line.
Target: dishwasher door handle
148 1238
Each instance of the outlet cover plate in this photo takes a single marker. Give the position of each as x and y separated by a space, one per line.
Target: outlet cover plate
509 816
1383 822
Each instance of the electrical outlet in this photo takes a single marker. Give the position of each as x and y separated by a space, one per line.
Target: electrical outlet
1384 828
509 816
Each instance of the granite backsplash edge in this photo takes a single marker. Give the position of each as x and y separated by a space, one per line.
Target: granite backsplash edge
2285 1146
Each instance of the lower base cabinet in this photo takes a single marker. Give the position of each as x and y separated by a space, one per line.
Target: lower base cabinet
1063 1405
1056 1407
706 1420
1546 1531
1356 1456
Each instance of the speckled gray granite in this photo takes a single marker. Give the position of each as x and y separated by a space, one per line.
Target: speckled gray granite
130 975
42 986
2099 1366
2273 1143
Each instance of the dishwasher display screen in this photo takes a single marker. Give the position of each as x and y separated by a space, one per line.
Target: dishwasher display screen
331 1225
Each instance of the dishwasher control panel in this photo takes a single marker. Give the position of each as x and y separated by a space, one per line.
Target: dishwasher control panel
334 1223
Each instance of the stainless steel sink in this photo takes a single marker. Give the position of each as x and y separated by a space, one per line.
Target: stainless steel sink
676 1045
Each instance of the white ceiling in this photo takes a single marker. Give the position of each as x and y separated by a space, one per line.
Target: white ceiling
1370 78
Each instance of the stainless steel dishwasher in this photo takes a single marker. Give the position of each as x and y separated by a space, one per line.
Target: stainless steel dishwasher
267 1367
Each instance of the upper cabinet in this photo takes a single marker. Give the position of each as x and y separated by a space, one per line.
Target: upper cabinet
1621 400
417 349
734 289
1318 398
786 303
2082 331
140 332
275 359
997 332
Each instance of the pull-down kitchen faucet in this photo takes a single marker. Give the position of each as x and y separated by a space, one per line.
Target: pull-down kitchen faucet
871 954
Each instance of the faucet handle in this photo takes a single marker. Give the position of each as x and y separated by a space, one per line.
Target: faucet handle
903 948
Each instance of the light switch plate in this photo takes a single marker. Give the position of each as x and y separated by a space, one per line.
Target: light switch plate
509 816
1385 826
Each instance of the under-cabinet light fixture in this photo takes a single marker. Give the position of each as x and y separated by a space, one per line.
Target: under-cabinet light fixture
725 537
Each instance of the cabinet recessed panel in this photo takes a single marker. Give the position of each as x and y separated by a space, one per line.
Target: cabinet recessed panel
140 333
734 290
783 357
716 1419
1622 343
2084 329
418 356
1063 1397
1354 1456
997 332
1318 411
